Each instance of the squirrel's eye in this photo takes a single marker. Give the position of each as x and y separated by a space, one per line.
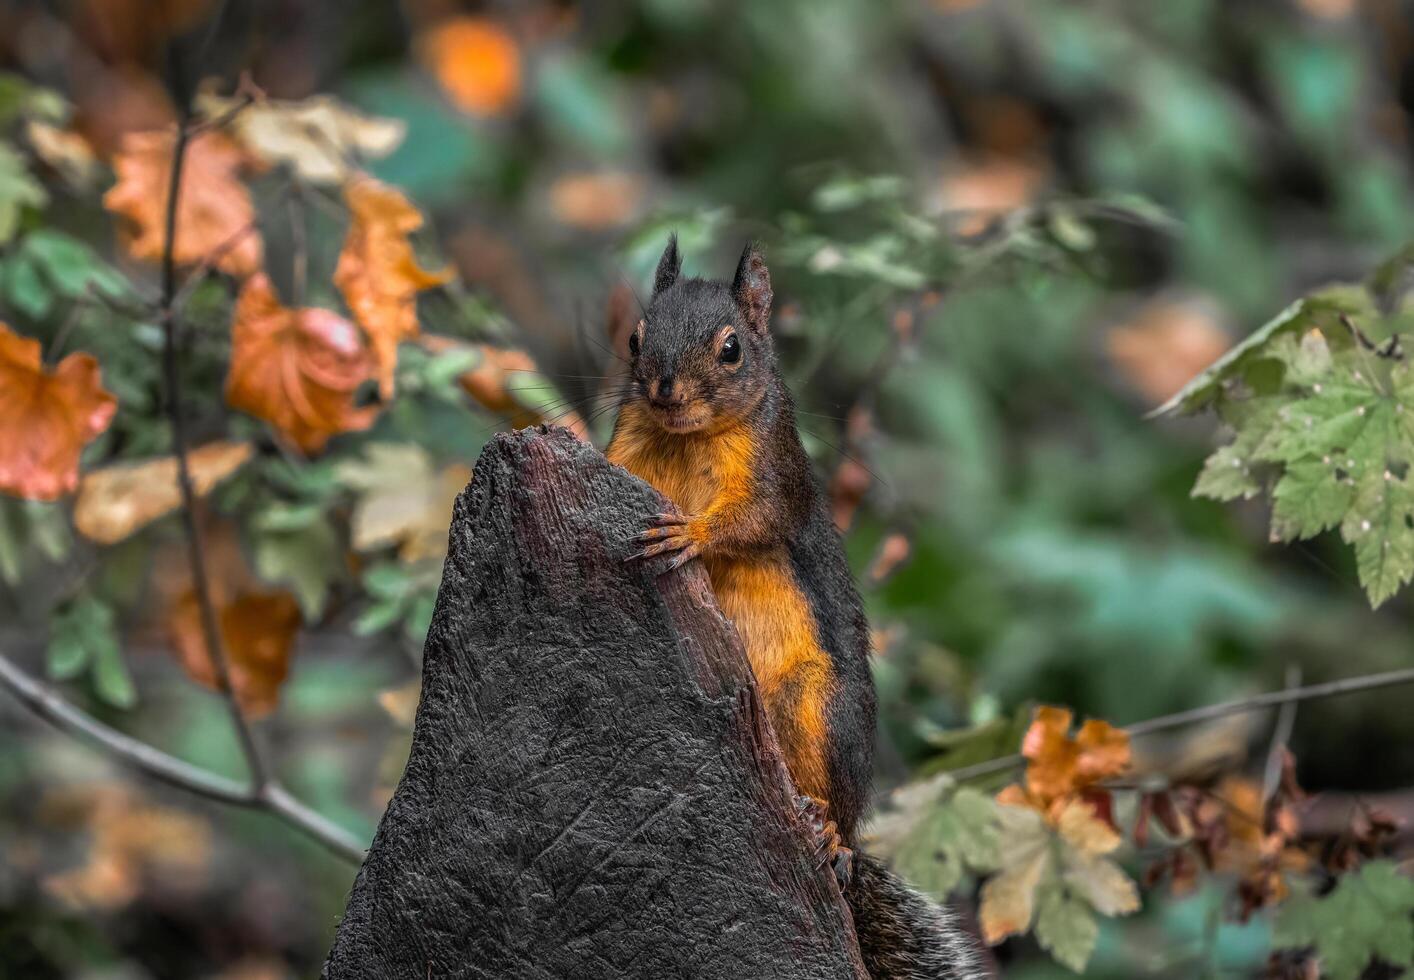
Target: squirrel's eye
731 350
633 344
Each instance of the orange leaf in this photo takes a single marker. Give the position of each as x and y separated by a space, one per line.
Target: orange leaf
596 201
135 846
215 217
297 369
476 62
1059 766
257 633
378 273
1165 344
46 417
119 500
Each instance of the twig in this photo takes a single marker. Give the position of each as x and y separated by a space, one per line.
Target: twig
1281 734
208 263
77 309
46 702
1349 685
1391 348
298 238
196 552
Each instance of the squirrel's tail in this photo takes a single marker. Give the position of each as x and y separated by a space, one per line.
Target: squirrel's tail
903 934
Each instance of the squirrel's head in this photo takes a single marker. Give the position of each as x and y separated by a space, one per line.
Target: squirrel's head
702 357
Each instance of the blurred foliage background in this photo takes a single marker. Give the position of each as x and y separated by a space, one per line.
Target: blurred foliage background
1000 232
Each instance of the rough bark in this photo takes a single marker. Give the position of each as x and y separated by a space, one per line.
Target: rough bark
593 789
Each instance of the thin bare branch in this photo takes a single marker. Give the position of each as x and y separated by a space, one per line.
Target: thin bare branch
1281 734
196 552
299 240
44 701
1312 692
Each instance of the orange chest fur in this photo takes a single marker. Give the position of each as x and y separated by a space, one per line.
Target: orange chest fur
697 473
758 593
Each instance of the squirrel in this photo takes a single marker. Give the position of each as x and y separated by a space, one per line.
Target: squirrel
708 421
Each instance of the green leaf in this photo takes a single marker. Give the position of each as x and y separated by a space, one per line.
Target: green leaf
1321 308
68 653
72 267
307 560
1311 497
1321 404
1369 914
18 190
1065 926
83 634
959 833
25 289
846 192
379 617
111 680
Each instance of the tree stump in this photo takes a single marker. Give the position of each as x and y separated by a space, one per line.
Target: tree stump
593 789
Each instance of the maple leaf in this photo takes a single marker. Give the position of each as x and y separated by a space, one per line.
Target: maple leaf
1059 766
377 272
46 417
314 137
257 634
403 500
1057 877
298 369
117 501
946 838
476 62
215 216
1369 914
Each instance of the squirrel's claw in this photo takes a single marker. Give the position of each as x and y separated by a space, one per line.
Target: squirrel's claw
828 846
667 520
669 533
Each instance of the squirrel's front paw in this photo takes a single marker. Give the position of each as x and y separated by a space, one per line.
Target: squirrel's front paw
672 532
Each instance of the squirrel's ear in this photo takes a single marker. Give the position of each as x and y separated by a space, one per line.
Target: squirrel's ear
752 288
668 266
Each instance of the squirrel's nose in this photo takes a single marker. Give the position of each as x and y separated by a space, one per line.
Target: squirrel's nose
666 390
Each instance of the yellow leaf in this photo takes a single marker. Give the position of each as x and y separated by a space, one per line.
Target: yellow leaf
404 501
64 150
1084 831
1165 344
1009 897
315 137
119 500
1084 839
